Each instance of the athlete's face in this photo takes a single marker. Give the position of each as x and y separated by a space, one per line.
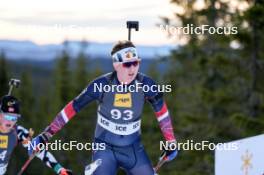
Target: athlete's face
126 72
7 122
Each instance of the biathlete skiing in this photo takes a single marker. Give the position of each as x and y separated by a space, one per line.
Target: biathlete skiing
12 134
119 115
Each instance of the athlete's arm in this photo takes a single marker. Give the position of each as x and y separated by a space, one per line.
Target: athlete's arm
163 117
161 110
24 136
89 94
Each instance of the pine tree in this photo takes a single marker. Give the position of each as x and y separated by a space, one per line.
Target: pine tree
80 73
3 75
251 42
212 83
28 105
62 94
63 82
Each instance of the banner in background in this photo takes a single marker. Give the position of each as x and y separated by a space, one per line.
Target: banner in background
248 159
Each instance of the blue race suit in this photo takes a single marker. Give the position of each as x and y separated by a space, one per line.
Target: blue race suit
118 122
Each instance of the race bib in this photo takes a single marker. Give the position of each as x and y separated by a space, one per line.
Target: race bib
3 168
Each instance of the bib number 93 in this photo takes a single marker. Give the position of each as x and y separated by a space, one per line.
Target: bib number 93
117 114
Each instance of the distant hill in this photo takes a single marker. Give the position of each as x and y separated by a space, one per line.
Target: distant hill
31 51
40 60
97 63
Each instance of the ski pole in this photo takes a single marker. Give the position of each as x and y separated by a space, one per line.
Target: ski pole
161 161
24 167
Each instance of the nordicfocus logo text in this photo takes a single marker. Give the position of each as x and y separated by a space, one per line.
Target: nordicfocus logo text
137 87
190 145
191 29
58 145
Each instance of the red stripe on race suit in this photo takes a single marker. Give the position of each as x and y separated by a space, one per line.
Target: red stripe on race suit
69 110
162 111
165 124
167 129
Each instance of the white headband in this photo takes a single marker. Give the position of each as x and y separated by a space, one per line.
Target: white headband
126 55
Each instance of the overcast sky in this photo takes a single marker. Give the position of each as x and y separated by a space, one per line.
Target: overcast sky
52 21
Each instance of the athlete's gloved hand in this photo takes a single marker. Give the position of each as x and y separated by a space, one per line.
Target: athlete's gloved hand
64 171
61 171
33 146
170 153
